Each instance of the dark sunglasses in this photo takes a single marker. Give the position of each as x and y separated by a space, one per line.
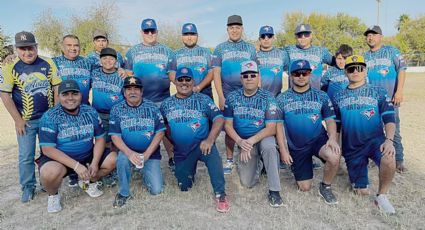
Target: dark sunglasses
303 34
152 31
264 36
184 79
301 72
359 69
246 76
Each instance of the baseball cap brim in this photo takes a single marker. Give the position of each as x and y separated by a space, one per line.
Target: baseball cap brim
26 44
354 63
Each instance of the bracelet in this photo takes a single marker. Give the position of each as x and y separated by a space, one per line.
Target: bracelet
76 166
390 140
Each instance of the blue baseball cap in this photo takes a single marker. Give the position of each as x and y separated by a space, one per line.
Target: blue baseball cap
300 65
184 72
189 28
148 23
266 30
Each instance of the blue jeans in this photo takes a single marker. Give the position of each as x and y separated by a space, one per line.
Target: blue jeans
26 145
399 155
152 176
186 170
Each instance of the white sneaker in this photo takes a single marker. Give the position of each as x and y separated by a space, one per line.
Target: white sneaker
54 203
93 190
384 204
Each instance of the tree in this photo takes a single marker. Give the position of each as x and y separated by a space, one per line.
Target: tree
412 33
4 41
49 31
170 35
402 20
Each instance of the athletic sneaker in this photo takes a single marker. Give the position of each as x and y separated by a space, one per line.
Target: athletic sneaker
228 166
282 165
92 189
325 191
54 203
171 164
384 204
72 180
120 200
316 164
223 205
28 193
109 180
274 199
400 168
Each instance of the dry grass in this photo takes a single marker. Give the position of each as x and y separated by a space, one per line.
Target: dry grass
249 208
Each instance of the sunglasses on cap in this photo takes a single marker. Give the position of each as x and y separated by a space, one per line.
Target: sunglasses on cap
301 72
246 76
304 34
147 31
359 69
184 79
264 36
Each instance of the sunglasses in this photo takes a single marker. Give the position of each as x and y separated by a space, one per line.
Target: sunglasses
303 34
264 36
246 76
359 69
147 31
184 79
302 72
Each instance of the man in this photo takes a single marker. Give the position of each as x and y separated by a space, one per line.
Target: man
188 116
251 114
136 128
28 89
386 68
364 111
272 61
152 63
67 133
101 41
303 110
197 58
228 57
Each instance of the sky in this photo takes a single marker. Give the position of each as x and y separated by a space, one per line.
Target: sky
209 16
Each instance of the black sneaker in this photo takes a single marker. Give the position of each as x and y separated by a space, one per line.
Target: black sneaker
120 200
72 180
325 191
28 193
274 199
171 164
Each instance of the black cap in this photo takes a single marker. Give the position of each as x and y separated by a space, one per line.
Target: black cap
373 29
132 81
24 38
68 85
234 20
108 52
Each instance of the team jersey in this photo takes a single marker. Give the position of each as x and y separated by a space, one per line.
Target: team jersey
94 58
229 56
71 134
383 67
137 126
30 86
271 65
78 70
106 89
152 64
188 120
198 59
334 80
315 55
302 114
361 112
250 114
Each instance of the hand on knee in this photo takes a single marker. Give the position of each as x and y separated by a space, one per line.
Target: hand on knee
304 187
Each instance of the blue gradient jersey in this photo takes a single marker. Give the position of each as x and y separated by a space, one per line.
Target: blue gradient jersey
303 114
106 89
198 59
271 65
30 86
71 134
137 126
361 112
383 67
189 120
315 55
229 56
152 64
334 80
78 70
250 114
94 58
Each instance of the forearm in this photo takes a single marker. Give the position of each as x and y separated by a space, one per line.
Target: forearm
119 143
216 129
98 149
10 106
217 82
269 130
331 129
400 81
207 80
280 136
172 76
59 156
55 94
153 145
231 132
390 130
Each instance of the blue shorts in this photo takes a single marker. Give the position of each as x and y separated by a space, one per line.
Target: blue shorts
302 165
357 162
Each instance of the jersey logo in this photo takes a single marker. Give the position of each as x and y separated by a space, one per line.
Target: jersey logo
314 117
258 123
149 134
160 66
114 98
195 126
368 113
313 67
384 72
276 70
85 82
200 69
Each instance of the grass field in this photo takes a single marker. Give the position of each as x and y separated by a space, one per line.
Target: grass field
249 207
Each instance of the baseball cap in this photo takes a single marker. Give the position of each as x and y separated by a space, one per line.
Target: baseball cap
24 38
68 85
132 81
100 34
108 52
148 23
189 28
184 72
300 65
249 67
354 60
266 30
373 29
234 20
301 28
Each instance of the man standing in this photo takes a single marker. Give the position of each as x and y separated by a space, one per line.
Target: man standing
101 41
67 133
28 89
386 68
136 128
228 57
251 114
272 61
364 111
197 58
303 109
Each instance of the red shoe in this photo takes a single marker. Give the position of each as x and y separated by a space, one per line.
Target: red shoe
223 205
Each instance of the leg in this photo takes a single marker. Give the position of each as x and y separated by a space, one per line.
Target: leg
331 165
230 145
124 174
106 165
152 176
387 169
358 172
249 172
168 147
185 170
26 145
302 167
270 157
215 170
51 176
399 150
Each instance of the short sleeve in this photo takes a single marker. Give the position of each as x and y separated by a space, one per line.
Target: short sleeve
328 111
159 121
327 56
48 131
114 123
216 58
228 109
6 78
53 73
97 125
213 111
386 107
272 114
